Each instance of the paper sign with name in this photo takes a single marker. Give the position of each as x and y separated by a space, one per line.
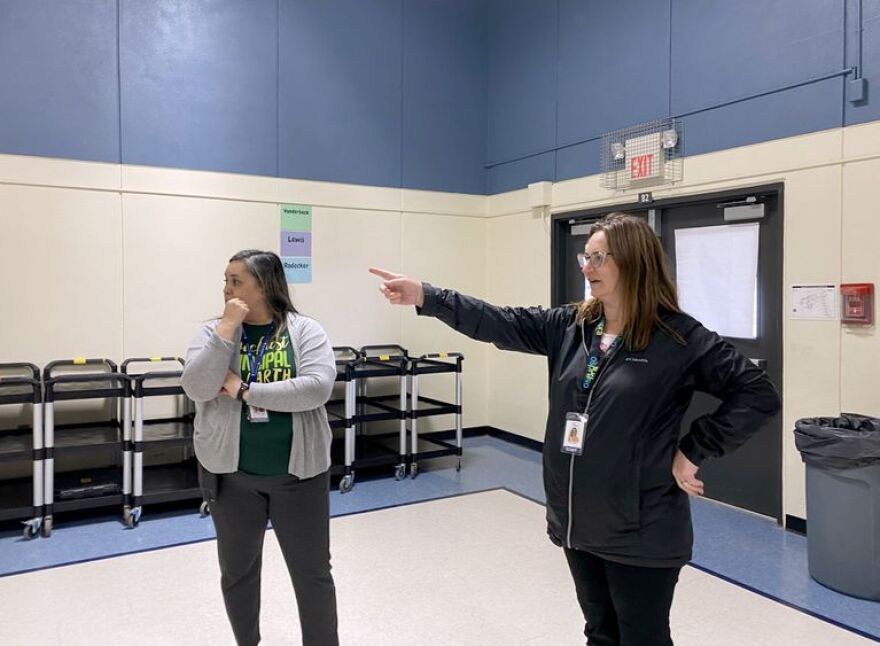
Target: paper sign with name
296 217
297 270
296 242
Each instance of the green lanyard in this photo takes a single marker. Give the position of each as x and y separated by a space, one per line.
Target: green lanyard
596 357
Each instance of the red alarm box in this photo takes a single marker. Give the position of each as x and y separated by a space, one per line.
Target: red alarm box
857 304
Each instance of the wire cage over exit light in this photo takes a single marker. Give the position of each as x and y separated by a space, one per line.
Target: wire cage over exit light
648 154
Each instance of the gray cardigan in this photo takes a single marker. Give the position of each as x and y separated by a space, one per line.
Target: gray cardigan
218 417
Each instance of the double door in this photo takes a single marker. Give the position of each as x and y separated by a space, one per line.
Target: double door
726 257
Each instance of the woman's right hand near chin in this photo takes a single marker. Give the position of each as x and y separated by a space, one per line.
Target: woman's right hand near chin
234 313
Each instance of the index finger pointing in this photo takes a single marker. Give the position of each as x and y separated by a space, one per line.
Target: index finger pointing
382 273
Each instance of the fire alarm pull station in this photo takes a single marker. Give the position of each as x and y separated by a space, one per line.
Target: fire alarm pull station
857 304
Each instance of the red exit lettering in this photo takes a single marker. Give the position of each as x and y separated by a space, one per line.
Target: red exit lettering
641 166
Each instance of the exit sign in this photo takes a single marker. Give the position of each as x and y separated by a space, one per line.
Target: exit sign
641 166
644 159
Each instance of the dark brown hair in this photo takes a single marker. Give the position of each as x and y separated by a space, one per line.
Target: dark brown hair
646 279
266 267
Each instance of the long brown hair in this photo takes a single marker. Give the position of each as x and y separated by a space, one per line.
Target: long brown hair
645 277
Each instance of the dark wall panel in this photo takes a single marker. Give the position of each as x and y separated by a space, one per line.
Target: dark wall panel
59 90
340 92
444 95
199 84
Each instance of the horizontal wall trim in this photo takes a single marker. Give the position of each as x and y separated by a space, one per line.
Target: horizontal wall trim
491 431
116 178
122 179
518 198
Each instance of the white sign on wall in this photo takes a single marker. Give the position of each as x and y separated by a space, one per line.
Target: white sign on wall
815 302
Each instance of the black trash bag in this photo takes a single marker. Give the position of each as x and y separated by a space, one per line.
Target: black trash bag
846 442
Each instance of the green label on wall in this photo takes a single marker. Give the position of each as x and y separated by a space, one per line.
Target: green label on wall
296 217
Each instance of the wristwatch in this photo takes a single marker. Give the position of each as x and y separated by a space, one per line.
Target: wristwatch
241 390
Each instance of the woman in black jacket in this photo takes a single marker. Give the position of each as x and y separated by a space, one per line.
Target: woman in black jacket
623 366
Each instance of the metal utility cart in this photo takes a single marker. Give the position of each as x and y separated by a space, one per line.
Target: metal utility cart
341 412
421 407
91 487
163 482
21 497
378 361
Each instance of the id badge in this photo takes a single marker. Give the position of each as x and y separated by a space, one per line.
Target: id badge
575 430
257 415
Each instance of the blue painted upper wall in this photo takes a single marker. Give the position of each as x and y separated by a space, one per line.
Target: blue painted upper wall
378 92
59 89
199 84
623 62
472 96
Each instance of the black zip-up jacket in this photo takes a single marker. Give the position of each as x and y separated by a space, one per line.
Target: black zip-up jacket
619 499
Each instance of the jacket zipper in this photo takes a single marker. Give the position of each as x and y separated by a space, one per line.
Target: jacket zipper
586 434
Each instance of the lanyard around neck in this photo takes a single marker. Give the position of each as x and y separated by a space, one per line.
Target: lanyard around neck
254 363
595 357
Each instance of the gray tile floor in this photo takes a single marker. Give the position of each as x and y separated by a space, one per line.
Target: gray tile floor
738 549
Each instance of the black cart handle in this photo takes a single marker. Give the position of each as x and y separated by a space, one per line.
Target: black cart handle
78 361
128 362
9 382
98 376
23 367
354 353
139 381
158 374
375 352
440 355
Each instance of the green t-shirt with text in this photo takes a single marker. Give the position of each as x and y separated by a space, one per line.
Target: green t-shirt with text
265 446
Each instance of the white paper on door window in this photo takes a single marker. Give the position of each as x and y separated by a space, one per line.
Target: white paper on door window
717 276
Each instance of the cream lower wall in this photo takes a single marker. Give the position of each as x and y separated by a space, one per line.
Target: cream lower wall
108 261
119 261
518 257
61 266
831 230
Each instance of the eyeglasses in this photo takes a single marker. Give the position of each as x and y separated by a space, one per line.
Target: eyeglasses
597 259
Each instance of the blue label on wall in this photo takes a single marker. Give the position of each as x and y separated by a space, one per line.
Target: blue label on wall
297 269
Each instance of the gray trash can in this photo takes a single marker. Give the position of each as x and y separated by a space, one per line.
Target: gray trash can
842 457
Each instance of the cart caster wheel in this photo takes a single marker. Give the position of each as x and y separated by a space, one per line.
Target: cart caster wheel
400 472
413 470
346 484
131 517
204 509
47 527
30 531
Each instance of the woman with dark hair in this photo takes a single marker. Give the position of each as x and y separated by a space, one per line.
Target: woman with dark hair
260 376
623 366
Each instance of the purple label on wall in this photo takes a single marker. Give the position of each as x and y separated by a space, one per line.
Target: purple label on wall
296 243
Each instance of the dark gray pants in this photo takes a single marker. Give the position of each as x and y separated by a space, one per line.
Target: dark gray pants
300 514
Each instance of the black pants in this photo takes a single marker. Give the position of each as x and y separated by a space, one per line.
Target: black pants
624 605
300 514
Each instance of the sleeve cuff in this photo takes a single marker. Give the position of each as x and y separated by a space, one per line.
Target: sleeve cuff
429 305
691 450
